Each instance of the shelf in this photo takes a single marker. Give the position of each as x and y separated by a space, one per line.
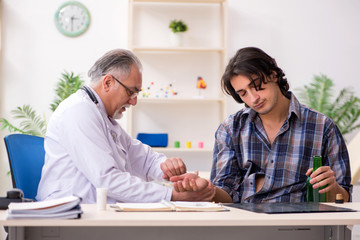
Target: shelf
169 68
177 49
192 150
179 100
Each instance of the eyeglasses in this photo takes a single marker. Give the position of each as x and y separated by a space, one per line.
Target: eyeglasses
132 94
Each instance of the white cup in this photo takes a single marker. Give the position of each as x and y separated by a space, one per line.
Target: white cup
101 198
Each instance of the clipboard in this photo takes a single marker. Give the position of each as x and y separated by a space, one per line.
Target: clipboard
286 207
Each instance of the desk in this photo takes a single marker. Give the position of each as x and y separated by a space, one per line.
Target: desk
235 224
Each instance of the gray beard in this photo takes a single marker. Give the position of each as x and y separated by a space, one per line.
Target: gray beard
117 114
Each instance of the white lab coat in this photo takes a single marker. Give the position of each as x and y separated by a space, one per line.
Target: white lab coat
85 149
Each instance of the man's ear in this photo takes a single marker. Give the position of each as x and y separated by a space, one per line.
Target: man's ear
274 76
107 82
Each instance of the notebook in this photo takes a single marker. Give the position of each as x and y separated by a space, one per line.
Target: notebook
170 206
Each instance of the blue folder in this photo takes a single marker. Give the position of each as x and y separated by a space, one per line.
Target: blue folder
154 139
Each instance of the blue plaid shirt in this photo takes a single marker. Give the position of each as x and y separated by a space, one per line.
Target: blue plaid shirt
242 151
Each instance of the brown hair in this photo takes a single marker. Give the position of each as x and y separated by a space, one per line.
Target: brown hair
252 61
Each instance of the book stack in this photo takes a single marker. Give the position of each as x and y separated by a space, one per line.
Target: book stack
61 208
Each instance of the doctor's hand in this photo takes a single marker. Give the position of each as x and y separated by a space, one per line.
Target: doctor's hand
172 167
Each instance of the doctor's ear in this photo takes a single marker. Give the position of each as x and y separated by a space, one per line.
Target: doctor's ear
107 82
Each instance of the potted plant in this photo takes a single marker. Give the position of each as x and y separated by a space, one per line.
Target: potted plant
344 110
34 124
178 27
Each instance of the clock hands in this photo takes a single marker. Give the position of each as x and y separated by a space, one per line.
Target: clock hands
72 21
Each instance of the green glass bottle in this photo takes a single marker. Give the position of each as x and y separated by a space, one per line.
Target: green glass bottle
309 191
313 195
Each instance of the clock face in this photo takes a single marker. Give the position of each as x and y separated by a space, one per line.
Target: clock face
72 19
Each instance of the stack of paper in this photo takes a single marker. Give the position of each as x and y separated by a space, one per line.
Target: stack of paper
168 206
67 207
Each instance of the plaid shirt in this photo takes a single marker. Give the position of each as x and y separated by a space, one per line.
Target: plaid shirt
242 151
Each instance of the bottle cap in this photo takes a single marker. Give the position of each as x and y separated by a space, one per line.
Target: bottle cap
339 198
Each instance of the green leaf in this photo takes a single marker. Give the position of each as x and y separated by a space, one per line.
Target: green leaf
178 26
31 123
344 110
5 124
67 85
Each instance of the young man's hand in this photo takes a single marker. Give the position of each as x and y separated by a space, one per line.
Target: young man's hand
189 182
172 167
326 176
321 177
191 187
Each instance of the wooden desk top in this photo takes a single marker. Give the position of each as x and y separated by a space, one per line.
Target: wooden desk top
234 217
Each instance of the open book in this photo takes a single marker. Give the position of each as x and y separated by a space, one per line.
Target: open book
66 207
169 206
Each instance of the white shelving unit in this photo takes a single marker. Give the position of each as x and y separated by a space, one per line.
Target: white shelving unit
189 115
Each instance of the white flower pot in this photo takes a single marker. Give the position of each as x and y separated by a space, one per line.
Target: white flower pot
177 39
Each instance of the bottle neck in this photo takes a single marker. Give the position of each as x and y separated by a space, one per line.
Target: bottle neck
317 162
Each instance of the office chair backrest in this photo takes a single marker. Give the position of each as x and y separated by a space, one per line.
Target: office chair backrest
26 158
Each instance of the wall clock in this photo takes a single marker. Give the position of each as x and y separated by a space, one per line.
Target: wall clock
72 19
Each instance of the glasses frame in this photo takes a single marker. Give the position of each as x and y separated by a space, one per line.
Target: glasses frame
132 94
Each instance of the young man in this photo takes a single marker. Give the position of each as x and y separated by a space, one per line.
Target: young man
264 152
86 148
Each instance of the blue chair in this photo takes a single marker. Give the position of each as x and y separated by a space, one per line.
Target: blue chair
26 158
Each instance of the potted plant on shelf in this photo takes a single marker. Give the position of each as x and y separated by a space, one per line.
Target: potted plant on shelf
178 27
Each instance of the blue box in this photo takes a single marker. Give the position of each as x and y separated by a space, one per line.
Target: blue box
154 139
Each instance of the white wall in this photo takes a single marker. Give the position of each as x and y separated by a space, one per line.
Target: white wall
305 37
